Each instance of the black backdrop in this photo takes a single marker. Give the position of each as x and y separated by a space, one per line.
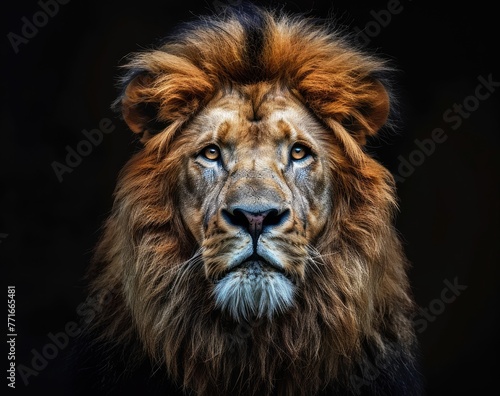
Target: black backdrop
59 79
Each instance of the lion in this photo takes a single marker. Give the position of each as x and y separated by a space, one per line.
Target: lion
251 248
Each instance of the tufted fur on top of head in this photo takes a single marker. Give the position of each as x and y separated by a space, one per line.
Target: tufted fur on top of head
166 86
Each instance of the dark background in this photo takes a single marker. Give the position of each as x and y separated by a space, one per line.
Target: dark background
63 81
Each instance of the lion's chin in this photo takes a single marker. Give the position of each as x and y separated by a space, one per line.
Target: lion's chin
254 290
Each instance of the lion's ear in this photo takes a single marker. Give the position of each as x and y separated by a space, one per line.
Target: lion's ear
162 91
378 112
139 106
370 112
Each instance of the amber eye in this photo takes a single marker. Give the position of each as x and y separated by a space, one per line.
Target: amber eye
299 152
211 153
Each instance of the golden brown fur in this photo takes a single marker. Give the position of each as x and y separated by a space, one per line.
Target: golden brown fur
220 81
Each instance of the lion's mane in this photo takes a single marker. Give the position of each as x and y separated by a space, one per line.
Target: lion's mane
355 307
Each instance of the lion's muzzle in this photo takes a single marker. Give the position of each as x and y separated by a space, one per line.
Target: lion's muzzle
255 220
254 279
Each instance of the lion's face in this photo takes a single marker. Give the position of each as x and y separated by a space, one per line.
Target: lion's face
255 194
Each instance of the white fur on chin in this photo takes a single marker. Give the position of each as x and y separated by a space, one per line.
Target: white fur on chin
254 291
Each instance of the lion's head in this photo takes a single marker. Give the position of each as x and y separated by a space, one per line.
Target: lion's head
255 195
253 203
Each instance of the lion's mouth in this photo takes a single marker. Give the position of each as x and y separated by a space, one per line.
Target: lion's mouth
254 267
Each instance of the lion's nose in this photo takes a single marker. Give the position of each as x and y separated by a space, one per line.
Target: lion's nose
255 221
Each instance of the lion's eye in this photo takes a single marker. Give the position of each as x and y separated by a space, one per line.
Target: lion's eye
211 153
299 152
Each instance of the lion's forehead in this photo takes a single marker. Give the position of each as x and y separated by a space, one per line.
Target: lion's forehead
241 121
